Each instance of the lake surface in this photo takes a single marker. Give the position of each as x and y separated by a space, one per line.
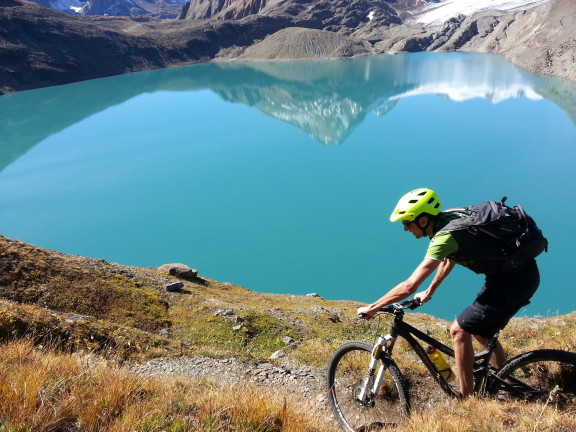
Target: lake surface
281 177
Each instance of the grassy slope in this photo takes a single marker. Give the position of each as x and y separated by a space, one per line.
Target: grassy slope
75 303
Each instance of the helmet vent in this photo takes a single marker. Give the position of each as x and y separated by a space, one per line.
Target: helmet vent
431 200
413 201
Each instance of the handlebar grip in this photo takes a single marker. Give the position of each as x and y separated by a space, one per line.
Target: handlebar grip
413 304
397 307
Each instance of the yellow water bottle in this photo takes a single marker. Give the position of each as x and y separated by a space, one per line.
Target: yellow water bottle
441 364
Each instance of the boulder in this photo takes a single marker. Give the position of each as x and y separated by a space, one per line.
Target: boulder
174 286
181 271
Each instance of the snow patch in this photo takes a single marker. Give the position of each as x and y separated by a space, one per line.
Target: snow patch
442 11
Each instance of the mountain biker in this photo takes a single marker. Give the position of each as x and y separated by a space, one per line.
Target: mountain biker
510 279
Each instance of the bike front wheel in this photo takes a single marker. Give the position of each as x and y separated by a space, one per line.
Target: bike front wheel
347 373
547 376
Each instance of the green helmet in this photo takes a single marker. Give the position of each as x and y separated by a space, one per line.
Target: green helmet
416 202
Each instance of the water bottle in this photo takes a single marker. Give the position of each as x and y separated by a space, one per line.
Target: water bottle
441 364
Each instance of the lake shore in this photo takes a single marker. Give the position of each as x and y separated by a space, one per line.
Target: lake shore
66 49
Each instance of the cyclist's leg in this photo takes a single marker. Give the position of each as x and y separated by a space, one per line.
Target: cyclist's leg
501 297
498 301
464 357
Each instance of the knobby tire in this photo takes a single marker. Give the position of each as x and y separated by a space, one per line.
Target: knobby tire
545 376
347 370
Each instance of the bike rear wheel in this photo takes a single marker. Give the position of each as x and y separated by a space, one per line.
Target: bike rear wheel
347 371
547 376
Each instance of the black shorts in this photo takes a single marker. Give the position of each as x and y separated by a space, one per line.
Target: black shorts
499 300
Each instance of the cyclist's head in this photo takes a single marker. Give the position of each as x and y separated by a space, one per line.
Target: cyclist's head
416 203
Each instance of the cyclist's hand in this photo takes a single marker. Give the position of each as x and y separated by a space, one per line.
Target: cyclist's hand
364 312
423 296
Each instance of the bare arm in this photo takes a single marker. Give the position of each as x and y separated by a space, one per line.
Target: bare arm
444 270
403 289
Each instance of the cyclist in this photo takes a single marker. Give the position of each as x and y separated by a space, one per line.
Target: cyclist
510 281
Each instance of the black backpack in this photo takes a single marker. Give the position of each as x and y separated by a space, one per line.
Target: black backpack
510 225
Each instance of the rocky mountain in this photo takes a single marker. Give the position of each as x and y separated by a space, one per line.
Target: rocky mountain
62 5
133 8
44 47
126 8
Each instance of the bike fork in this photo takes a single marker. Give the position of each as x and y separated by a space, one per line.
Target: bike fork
372 383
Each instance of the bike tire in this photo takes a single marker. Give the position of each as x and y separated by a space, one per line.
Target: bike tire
546 376
347 370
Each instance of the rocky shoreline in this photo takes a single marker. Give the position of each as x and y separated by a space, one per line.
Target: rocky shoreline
43 47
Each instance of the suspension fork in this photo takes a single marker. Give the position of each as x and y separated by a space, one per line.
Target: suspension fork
374 379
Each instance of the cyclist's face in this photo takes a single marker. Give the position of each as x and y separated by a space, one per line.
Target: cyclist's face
413 227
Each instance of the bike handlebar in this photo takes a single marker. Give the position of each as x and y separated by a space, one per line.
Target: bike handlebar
398 307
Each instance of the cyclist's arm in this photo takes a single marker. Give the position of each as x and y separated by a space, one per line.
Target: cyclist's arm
444 270
404 289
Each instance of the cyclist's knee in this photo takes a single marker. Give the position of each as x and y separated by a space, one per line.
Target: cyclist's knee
458 333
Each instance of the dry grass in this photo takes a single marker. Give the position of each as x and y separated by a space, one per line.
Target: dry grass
474 415
41 390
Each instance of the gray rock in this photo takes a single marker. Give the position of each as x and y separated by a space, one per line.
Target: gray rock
276 355
71 318
224 312
174 286
181 271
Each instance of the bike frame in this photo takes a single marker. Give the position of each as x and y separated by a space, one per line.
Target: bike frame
482 368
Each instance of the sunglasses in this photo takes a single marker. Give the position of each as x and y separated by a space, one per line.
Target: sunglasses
407 223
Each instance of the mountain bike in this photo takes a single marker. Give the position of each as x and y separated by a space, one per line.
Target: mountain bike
368 392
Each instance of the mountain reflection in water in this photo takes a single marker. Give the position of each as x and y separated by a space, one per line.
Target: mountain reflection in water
325 99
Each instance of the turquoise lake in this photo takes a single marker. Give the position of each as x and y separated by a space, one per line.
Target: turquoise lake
281 177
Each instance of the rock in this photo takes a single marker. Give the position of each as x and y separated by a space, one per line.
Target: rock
313 295
224 312
181 271
174 286
276 355
288 340
71 318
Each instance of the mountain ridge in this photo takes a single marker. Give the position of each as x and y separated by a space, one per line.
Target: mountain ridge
44 47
